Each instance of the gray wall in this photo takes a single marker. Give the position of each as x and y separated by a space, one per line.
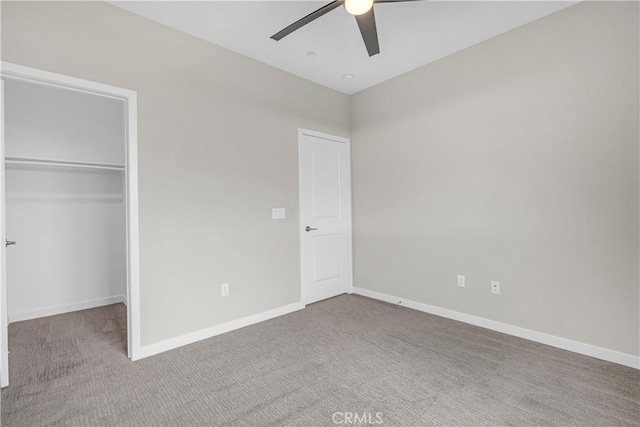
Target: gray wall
217 150
515 160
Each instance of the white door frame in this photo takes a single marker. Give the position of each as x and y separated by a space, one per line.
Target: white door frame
12 71
4 317
302 132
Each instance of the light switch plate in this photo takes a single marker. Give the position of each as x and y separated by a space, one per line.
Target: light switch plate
278 213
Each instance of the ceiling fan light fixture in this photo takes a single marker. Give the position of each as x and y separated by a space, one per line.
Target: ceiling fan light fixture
358 7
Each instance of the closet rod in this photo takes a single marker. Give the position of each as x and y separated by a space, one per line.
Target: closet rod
61 163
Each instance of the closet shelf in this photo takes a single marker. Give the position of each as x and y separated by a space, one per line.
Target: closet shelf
61 163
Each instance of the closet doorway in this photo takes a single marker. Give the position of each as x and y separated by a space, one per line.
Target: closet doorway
69 201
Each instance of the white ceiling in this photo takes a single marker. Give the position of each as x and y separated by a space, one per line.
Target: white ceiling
411 34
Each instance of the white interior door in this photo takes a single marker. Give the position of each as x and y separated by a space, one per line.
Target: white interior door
325 215
4 331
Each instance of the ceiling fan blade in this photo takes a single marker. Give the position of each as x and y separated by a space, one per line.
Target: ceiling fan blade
304 21
367 25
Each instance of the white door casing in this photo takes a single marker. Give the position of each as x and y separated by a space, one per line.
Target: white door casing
324 163
36 76
4 339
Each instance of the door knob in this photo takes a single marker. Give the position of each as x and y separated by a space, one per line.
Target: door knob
307 229
10 242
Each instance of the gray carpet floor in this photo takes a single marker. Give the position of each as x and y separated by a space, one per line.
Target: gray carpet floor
348 354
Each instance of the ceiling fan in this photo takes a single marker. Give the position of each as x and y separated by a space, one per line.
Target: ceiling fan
361 9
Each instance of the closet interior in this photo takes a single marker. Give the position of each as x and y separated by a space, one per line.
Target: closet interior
65 200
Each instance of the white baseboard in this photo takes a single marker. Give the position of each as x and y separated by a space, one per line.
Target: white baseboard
4 369
182 340
540 337
60 309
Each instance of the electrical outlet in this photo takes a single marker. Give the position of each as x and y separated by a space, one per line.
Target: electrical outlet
495 288
225 290
460 281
